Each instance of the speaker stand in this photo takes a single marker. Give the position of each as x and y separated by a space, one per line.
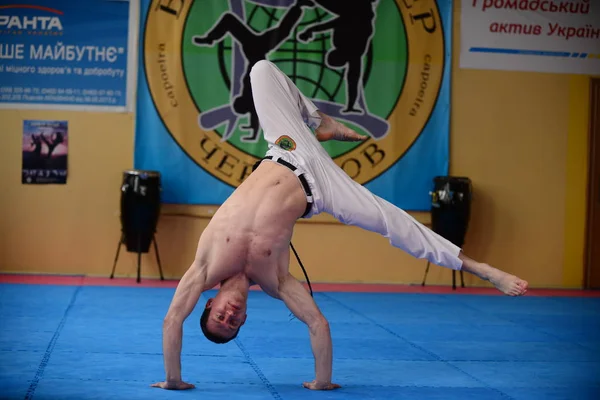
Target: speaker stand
462 280
139 261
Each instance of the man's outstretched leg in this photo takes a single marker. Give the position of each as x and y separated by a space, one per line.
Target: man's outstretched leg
353 204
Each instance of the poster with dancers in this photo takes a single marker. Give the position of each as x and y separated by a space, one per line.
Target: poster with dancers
45 150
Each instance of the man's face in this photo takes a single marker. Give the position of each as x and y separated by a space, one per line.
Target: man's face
226 316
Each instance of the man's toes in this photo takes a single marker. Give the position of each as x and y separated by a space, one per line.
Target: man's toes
520 290
516 290
523 287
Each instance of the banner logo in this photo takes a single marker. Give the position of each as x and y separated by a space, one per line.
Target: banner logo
375 65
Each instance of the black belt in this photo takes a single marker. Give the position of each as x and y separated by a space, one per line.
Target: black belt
301 177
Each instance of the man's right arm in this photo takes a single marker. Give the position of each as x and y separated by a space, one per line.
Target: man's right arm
185 299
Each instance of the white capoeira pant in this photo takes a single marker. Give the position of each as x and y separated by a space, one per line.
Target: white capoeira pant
285 116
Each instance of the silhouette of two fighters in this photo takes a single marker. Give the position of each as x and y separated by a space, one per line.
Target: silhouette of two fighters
351 37
255 46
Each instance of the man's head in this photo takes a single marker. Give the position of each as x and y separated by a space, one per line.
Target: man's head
222 318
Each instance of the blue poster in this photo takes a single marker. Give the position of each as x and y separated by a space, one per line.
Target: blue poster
64 54
386 74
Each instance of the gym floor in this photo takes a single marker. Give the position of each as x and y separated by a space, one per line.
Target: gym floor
93 338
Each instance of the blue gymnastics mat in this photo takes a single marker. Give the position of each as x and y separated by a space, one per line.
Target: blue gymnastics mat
88 342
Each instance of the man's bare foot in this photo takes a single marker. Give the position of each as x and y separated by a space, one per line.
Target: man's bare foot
507 283
330 129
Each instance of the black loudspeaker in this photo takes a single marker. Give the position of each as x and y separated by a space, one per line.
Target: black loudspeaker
450 212
140 210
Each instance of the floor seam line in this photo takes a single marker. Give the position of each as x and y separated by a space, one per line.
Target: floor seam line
258 371
46 358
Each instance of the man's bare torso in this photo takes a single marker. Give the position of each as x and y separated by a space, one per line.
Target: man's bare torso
251 232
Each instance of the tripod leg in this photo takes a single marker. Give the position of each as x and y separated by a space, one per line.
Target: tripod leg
157 258
112 274
426 271
139 267
139 251
453 280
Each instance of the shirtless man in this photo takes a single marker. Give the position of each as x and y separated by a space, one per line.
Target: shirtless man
247 241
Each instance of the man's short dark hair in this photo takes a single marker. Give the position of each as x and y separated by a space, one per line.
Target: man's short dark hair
211 336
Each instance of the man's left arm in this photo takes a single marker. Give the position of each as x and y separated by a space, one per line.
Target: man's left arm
302 305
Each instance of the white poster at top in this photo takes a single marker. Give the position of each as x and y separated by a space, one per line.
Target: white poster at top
558 36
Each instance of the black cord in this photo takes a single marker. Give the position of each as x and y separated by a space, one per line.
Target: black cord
303 270
305 274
